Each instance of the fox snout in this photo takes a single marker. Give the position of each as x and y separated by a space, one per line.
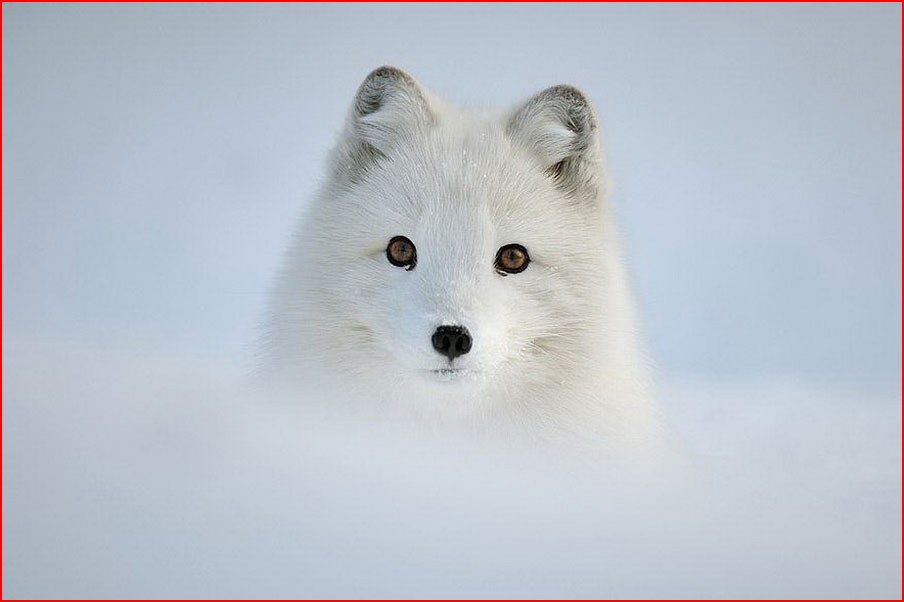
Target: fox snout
452 341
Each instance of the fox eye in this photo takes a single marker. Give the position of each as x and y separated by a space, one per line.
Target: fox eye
401 252
511 259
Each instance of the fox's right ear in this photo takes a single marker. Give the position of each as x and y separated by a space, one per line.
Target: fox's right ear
390 106
559 128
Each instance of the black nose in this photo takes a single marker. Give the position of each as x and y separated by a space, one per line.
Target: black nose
452 341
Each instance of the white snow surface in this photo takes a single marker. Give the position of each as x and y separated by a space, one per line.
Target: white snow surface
130 474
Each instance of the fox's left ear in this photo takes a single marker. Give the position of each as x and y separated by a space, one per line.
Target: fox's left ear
559 127
389 107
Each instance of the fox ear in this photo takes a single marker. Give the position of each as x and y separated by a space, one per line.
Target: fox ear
559 127
389 105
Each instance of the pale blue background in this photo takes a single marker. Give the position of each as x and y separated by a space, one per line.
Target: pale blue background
155 157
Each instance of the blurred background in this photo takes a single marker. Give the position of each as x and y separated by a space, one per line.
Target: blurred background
156 157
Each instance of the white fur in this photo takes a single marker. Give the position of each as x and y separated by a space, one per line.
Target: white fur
555 347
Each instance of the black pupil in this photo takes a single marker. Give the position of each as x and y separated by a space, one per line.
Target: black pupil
402 250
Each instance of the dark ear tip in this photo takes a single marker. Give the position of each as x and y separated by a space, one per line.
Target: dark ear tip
387 71
372 90
573 104
567 93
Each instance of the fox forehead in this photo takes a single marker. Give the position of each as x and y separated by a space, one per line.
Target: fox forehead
455 186
453 168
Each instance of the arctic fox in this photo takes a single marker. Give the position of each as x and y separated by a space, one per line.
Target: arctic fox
463 266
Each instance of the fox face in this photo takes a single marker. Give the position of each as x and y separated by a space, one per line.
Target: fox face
458 251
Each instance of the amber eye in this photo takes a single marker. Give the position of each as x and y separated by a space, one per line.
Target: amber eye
511 259
401 252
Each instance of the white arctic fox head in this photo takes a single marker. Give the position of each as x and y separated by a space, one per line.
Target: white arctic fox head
463 261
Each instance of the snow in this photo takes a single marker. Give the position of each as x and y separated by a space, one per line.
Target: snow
129 474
